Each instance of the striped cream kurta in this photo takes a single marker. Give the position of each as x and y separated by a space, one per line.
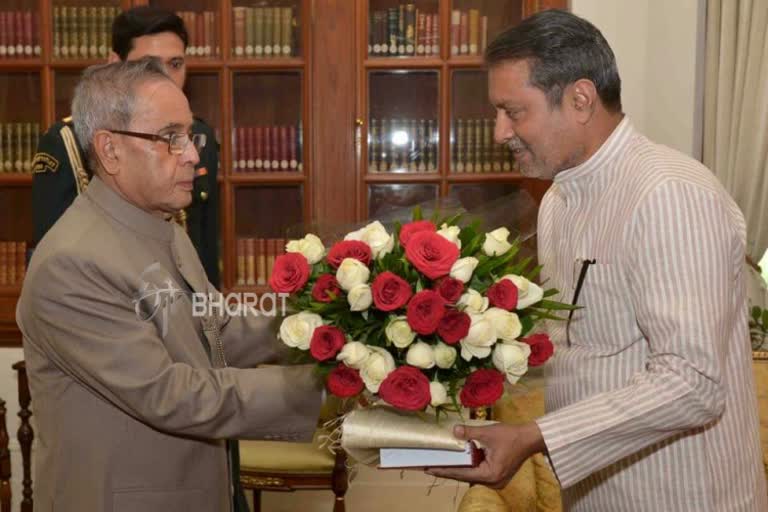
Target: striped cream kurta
652 406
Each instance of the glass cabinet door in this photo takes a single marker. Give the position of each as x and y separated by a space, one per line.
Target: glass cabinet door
266 29
473 149
384 199
474 23
20 114
204 93
403 128
82 29
201 18
403 29
267 114
260 235
19 29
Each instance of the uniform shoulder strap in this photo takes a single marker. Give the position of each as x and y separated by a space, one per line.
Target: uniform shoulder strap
78 169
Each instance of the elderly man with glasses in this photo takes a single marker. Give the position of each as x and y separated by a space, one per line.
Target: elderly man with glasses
135 391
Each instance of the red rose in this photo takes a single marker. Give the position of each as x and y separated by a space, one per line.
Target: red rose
344 381
454 326
431 254
408 230
450 289
482 388
290 273
541 349
390 291
326 342
503 295
425 310
406 388
349 249
324 286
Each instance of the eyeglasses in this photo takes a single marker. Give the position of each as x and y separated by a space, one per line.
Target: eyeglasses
579 284
177 142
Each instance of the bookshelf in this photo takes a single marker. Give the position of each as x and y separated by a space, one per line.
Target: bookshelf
305 108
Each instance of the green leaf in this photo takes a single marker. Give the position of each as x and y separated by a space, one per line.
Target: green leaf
556 306
765 318
551 292
417 215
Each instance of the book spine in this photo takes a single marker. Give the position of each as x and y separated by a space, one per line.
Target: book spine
271 254
93 32
239 30
76 26
293 145
464 33
410 29
252 152
250 31
277 48
103 38
10 34
2 148
18 164
268 30
375 43
18 19
283 148
4 264
392 30
240 258
483 34
371 31
200 33
28 37
250 262
8 147
506 162
258 31
28 149
21 259
263 160
487 145
455 31
4 35
209 18
461 145
85 25
10 250
261 262
287 31
274 147
474 31
435 34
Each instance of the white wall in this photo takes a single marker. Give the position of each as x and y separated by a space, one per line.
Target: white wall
659 47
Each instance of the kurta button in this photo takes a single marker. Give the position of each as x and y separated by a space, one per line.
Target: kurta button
204 195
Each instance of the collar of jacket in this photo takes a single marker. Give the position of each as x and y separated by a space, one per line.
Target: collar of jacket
127 214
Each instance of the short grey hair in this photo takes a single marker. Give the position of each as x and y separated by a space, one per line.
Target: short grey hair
105 99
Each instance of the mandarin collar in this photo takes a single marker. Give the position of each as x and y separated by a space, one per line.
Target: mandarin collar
570 180
128 214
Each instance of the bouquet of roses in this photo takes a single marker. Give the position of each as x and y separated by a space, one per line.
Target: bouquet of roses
429 314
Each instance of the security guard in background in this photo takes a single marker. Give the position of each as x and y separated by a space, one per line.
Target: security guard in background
61 173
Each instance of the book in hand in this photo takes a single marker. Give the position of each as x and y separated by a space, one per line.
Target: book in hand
419 458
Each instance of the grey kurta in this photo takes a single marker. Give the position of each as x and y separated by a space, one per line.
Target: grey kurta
132 411
652 406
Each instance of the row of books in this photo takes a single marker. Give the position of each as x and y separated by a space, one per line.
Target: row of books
469 32
403 30
18 142
83 32
201 28
13 262
403 145
267 148
474 150
19 34
255 259
262 32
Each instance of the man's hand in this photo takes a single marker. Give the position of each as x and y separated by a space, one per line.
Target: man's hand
506 448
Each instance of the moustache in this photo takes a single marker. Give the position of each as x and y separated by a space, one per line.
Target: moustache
516 144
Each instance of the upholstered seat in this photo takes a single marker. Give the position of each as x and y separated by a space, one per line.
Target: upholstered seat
286 457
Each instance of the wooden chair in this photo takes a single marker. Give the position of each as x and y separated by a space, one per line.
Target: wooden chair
25 435
288 466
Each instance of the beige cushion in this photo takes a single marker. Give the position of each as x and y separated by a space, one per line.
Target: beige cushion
482 499
285 457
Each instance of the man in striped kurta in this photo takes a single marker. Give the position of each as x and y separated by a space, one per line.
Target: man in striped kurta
651 401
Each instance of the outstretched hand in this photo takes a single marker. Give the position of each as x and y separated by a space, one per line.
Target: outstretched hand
506 448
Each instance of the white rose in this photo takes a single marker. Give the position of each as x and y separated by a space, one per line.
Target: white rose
450 233
351 273
399 332
479 340
496 242
445 355
376 236
310 246
528 292
473 302
296 330
512 358
379 364
438 394
360 297
506 323
463 268
353 354
420 355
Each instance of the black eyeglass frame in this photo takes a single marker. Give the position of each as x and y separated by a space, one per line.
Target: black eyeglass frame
198 139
